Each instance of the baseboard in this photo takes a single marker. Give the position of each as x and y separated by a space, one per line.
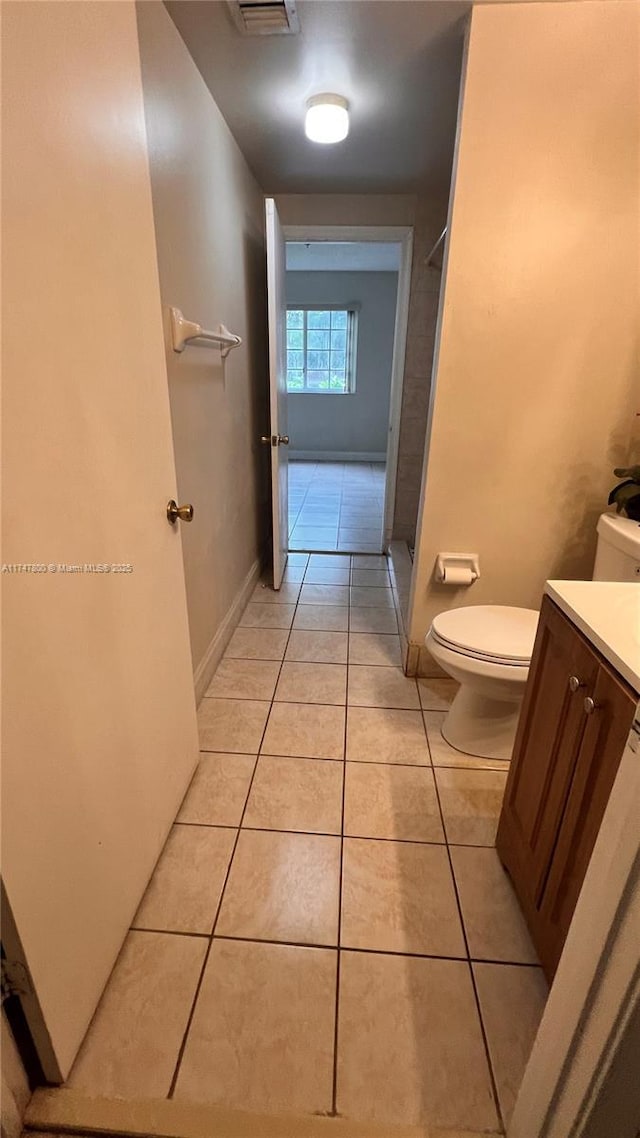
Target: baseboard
204 672
426 665
70 1112
337 456
418 661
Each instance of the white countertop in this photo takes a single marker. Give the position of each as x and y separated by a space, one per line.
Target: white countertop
608 613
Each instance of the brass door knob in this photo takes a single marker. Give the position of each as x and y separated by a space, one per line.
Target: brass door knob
275 440
174 511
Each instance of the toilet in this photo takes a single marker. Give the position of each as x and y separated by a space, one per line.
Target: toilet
487 649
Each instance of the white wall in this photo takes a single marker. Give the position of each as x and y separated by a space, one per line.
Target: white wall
357 423
209 217
536 374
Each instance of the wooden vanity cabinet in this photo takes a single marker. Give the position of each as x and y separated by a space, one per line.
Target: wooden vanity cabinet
576 715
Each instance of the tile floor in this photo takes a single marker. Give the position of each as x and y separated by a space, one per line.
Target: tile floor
336 506
328 929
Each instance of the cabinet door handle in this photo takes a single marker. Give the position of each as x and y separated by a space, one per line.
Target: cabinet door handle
575 683
590 705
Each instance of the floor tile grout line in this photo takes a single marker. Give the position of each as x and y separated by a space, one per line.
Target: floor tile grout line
335 948
365 762
338 947
336 833
331 947
207 954
224 885
340 886
282 663
463 754
492 1076
169 932
318 702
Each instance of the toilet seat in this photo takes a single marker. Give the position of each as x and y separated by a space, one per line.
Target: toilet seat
498 634
468 654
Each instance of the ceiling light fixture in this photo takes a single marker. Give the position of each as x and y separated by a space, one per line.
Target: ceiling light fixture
327 118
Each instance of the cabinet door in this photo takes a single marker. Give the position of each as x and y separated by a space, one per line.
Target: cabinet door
549 735
603 739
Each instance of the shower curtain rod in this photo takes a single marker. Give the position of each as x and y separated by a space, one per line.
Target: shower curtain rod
435 248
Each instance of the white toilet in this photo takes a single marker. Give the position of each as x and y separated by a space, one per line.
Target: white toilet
487 649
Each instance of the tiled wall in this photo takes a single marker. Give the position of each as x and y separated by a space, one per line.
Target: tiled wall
423 312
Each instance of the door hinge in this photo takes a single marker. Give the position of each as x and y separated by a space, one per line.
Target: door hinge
15 979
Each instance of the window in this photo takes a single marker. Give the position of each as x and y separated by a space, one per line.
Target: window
321 350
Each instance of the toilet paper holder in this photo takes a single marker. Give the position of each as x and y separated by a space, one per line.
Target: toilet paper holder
457 569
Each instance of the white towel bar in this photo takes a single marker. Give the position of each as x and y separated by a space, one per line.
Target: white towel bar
185 333
429 258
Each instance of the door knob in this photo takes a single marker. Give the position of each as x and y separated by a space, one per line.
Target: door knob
174 511
267 440
575 683
590 705
283 440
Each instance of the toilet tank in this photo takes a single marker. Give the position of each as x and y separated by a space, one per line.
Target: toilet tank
618 549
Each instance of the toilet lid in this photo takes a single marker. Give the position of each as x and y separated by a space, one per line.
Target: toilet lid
496 631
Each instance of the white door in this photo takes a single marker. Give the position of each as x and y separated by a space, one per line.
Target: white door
99 730
277 310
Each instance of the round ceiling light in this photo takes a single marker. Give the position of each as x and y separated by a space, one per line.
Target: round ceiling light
327 118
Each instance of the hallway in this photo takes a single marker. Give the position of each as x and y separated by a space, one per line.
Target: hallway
328 929
336 506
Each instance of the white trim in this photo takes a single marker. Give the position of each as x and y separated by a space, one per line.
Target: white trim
403 236
203 674
335 455
383 233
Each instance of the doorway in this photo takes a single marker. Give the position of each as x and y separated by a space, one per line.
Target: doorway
347 292
336 506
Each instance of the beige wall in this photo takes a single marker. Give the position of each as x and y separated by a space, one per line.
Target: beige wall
346 209
537 368
209 217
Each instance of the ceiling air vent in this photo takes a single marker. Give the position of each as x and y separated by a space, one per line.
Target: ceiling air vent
265 17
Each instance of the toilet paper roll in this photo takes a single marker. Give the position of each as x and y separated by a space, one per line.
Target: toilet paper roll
457 575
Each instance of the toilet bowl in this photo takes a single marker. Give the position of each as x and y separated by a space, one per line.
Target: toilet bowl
487 649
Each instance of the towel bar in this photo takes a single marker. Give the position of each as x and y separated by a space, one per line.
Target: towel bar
185 333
